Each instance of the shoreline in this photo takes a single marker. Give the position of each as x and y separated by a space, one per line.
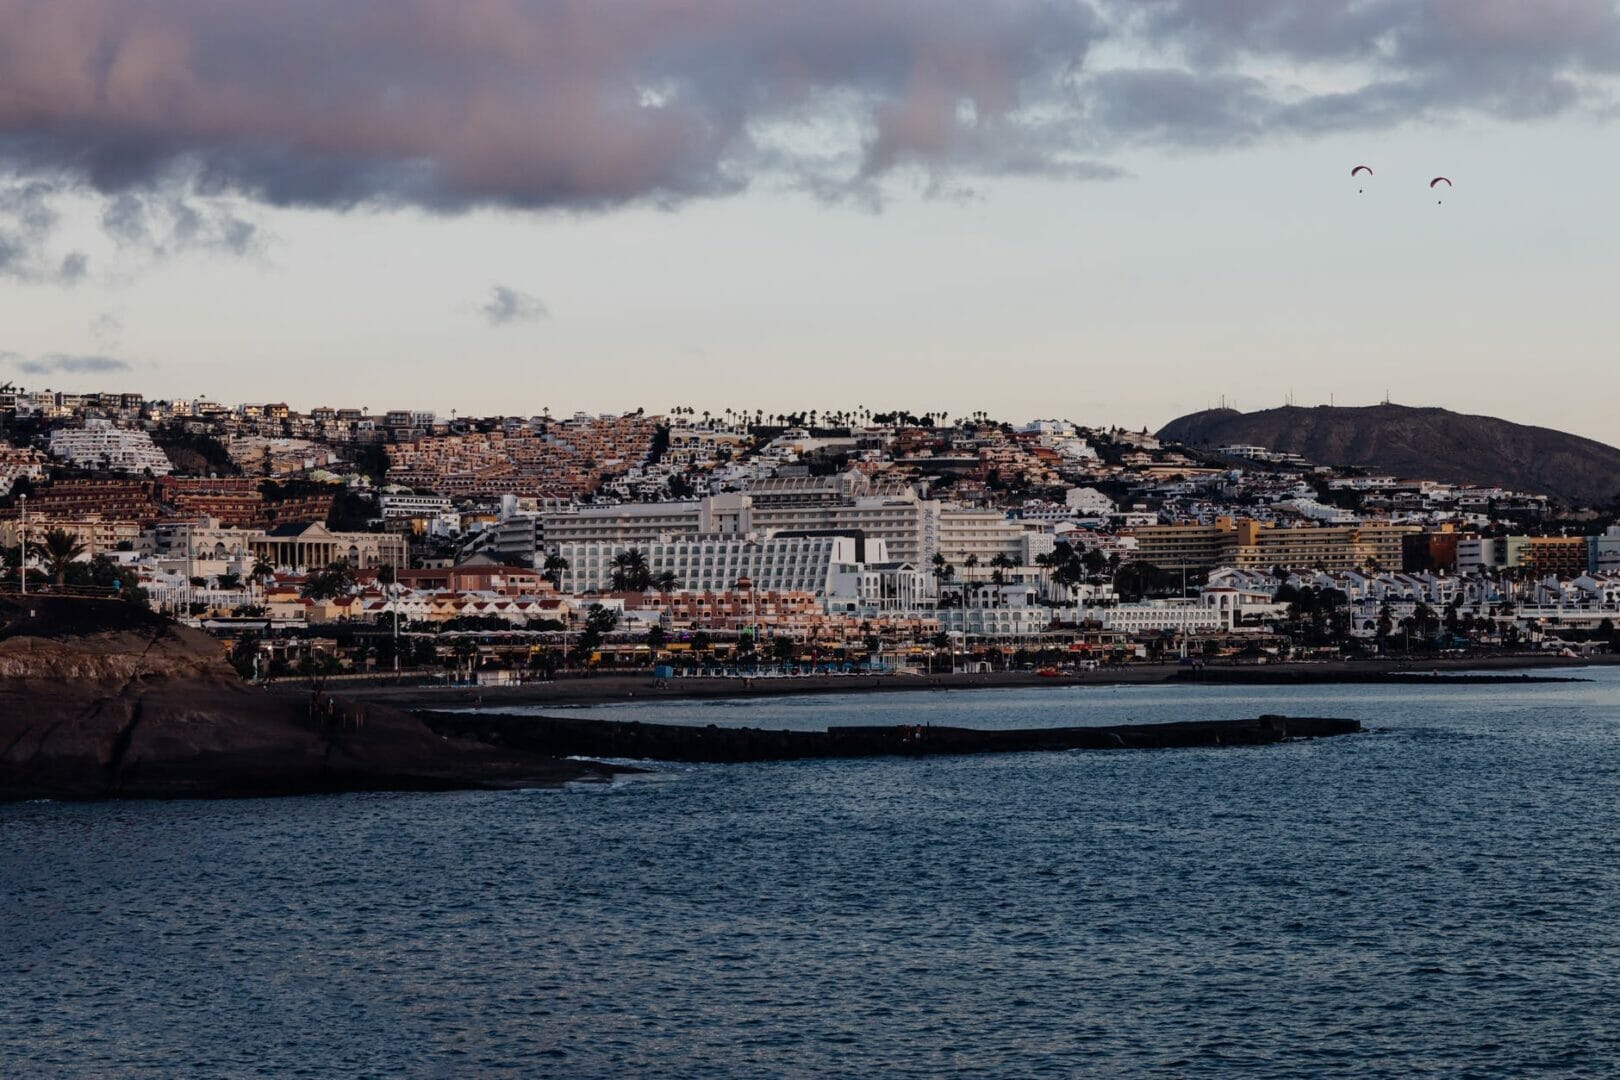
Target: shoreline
616 687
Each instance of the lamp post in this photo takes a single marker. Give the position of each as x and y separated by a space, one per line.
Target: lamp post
394 610
22 538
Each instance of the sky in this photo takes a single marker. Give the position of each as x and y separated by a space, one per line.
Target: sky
1114 211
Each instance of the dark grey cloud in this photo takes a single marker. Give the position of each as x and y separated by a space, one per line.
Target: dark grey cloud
507 305
65 364
178 110
165 223
1390 62
27 218
107 329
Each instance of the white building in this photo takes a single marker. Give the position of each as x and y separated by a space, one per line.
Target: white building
880 588
714 563
100 445
912 529
1088 502
19 463
410 505
1604 551
965 532
628 525
995 621
1184 617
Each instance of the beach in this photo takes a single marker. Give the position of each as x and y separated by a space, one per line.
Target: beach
586 690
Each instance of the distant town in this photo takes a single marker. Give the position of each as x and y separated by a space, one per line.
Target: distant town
342 541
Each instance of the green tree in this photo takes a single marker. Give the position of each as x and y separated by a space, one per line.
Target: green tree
630 571
554 567
599 622
336 580
244 653
102 574
60 549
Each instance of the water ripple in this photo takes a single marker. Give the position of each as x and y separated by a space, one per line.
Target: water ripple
1442 898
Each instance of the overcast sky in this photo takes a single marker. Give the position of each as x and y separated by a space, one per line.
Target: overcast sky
1115 211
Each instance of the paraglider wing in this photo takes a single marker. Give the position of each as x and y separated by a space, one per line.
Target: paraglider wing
1439 180
1359 169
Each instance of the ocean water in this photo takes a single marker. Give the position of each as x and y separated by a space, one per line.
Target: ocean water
1440 896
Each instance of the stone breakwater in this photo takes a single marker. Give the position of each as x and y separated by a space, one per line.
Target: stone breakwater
690 743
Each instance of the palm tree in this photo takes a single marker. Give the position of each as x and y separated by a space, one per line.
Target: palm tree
61 548
262 570
666 582
554 567
630 571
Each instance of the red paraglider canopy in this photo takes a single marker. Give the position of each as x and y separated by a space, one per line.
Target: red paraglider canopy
1361 169
1439 180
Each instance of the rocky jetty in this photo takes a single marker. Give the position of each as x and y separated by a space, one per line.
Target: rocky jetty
674 742
103 699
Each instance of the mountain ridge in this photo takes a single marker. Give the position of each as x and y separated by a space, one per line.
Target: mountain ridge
1420 443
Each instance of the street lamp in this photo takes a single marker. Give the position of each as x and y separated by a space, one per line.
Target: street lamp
394 610
22 533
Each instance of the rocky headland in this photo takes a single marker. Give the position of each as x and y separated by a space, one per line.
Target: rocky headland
103 699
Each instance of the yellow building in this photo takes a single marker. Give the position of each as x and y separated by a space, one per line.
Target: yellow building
98 535
1181 547
1254 545
1560 556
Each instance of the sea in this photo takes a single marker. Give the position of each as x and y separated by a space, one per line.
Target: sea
1439 896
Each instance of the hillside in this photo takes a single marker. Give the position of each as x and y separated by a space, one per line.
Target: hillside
1433 444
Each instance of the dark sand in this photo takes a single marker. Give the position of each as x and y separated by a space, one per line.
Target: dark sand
578 690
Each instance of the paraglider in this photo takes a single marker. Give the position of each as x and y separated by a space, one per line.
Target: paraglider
1435 182
1357 171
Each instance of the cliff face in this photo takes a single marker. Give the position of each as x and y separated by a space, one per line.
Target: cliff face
175 652
103 699
1429 443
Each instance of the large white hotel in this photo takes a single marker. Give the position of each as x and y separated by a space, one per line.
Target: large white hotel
911 529
101 445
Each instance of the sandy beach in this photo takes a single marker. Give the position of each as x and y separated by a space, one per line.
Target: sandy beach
582 690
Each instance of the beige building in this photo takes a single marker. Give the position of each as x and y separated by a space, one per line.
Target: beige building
302 547
1253 545
98 535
